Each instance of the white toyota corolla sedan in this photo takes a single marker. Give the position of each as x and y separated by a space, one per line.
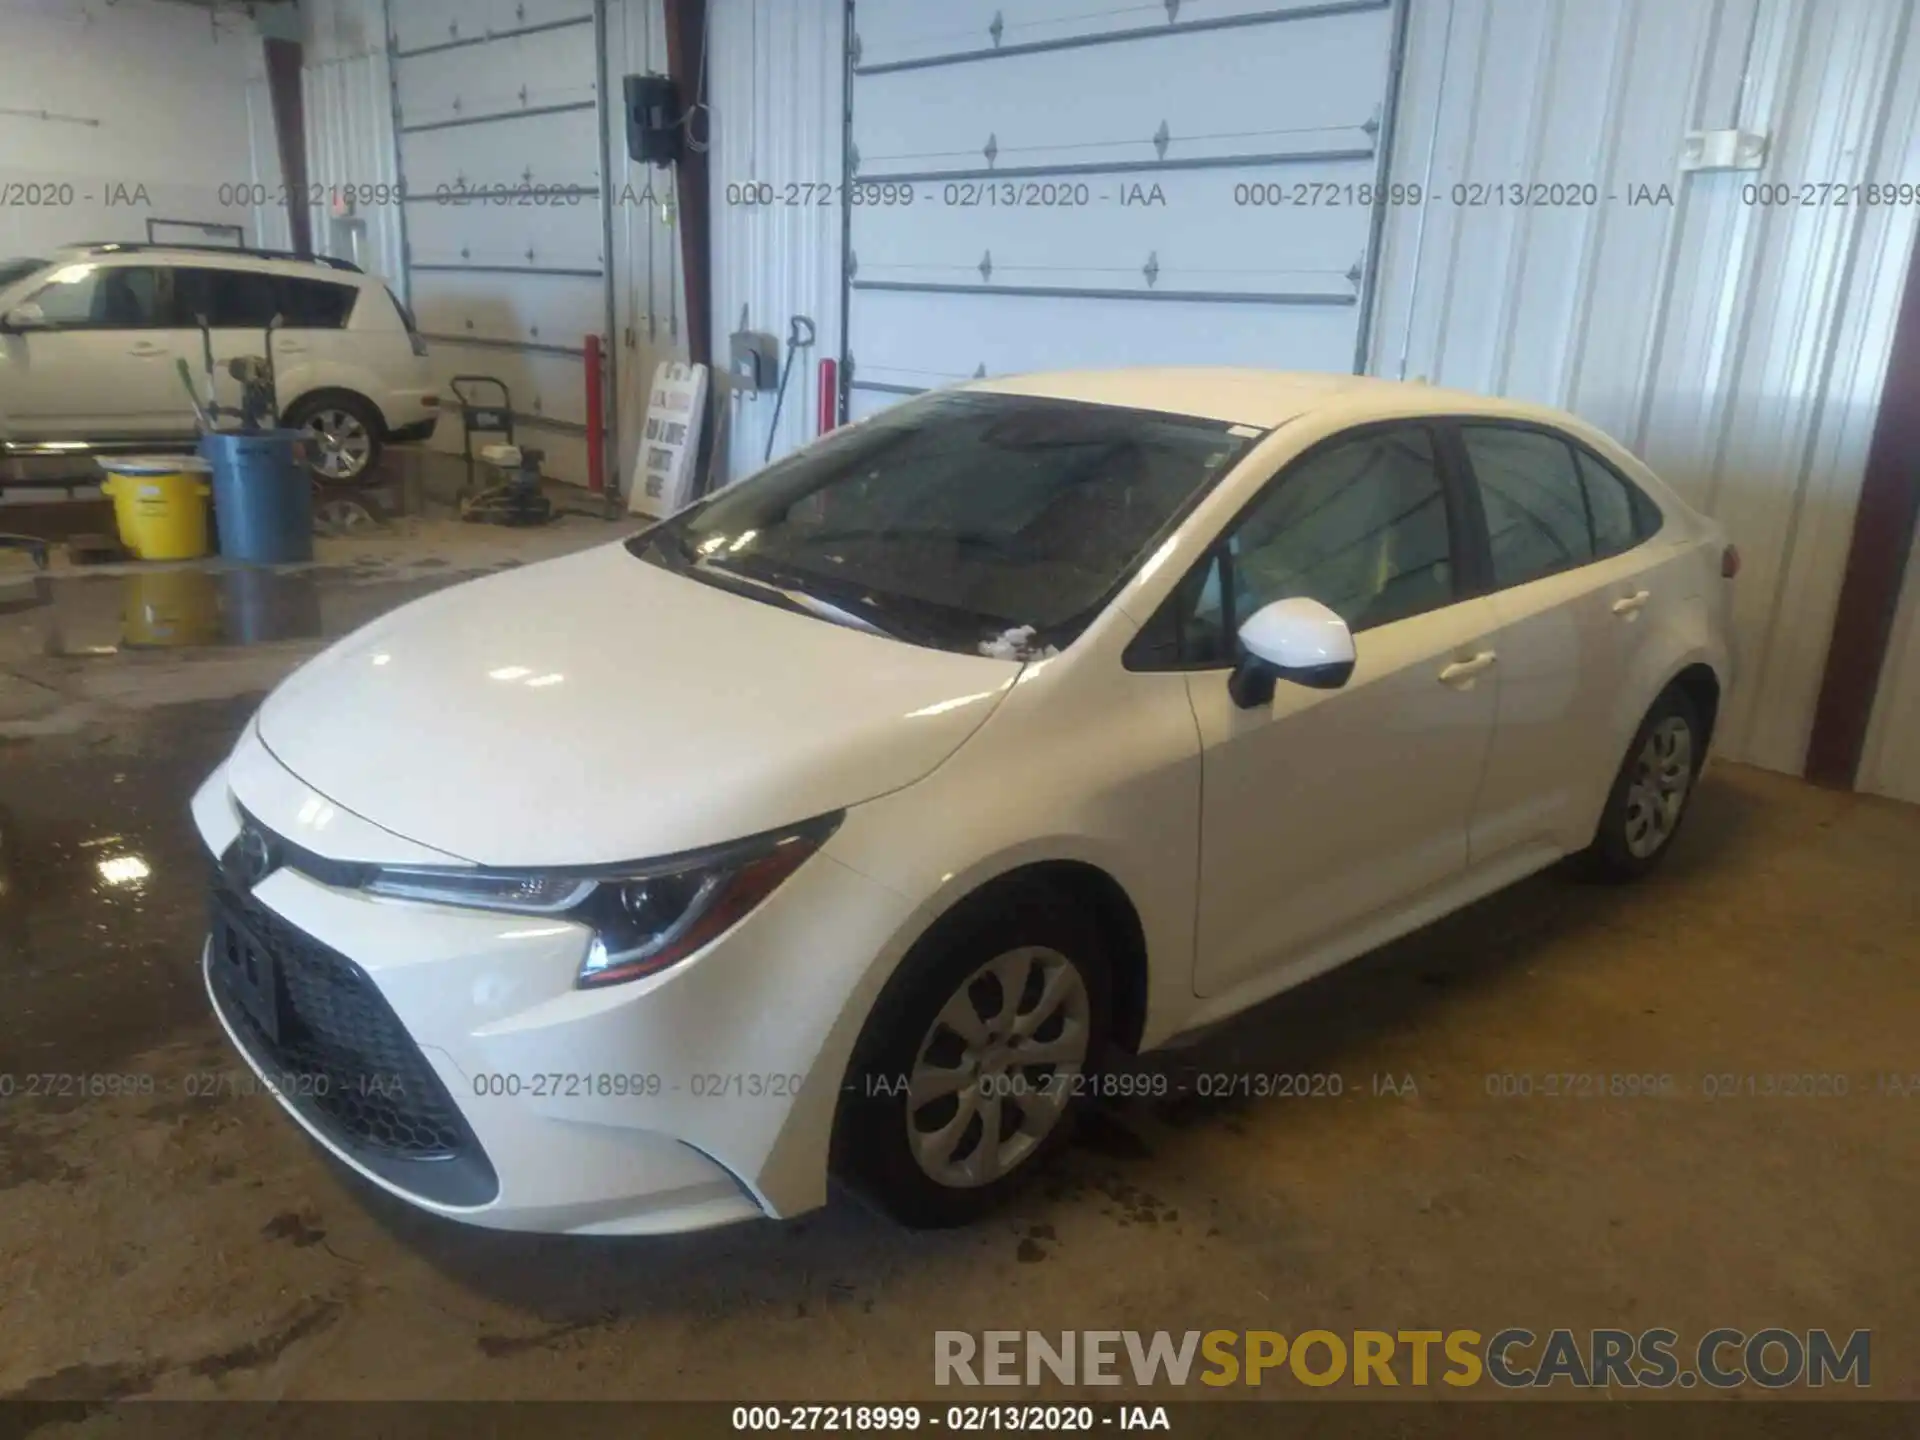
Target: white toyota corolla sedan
854 818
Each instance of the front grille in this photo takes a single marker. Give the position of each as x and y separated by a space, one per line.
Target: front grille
341 1057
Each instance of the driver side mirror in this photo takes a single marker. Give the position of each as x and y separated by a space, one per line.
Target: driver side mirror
1296 639
22 317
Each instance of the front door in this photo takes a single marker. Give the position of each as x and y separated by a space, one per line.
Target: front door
1326 810
102 366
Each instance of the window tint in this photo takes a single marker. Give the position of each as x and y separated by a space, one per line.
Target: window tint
1610 501
108 297
238 299
315 304
1360 527
1536 509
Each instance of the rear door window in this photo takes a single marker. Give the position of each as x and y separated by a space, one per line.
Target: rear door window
1535 504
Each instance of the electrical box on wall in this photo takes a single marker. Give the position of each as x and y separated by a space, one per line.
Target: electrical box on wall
653 119
753 361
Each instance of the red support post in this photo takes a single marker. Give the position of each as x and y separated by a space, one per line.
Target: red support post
596 418
829 416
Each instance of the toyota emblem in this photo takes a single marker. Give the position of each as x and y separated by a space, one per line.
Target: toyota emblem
255 855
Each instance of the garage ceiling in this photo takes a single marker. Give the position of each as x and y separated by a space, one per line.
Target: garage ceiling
1111 184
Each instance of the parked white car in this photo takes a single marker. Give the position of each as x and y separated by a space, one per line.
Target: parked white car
89 336
856 816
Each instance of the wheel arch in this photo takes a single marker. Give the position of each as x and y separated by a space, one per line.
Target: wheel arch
320 393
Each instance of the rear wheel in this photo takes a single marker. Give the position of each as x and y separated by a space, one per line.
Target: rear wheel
343 433
972 1066
1650 794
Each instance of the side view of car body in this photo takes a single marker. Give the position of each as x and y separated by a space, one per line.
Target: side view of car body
1021 726
90 337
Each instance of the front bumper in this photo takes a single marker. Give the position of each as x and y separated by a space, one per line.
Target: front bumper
692 1098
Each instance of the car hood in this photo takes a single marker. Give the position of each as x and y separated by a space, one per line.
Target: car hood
598 709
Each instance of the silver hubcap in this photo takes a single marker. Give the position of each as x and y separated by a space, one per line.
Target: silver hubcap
996 1069
1662 774
340 445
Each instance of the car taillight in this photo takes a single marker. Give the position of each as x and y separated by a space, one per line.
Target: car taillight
1730 562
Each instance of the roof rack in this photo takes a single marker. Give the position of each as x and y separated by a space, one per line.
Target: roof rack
134 246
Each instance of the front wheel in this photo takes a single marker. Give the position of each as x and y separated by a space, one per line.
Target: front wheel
971 1068
343 434
1650 794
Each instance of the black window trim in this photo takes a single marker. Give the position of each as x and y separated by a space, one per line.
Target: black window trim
1639 503
1469 553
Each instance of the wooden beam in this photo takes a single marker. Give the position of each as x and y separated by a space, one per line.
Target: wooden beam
1883 528
290 135
687 63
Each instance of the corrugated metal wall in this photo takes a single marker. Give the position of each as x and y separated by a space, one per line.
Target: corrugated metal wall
1738 347
778 86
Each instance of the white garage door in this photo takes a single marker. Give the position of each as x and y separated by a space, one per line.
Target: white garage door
1064 184
497 109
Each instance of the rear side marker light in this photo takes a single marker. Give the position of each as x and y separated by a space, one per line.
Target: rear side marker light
1730 562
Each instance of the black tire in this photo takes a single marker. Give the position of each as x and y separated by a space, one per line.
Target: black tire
872 1153
1620 849
363 430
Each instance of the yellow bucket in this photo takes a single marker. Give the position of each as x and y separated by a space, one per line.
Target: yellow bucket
159 504
171 607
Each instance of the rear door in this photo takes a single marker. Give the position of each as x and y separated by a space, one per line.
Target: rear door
239 304
1577 590
1328 810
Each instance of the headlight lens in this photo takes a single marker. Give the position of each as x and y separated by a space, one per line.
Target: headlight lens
644 917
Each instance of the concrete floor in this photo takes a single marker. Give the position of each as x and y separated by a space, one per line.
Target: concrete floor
170 1244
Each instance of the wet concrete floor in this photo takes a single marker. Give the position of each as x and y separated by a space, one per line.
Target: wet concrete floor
165 1231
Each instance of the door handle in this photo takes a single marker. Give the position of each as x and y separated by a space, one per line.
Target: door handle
1630 604
147 347
1466 669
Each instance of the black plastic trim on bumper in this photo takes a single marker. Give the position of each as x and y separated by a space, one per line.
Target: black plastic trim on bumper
412 434
466 1178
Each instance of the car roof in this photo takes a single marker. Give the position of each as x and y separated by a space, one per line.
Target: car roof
1265 398
217 257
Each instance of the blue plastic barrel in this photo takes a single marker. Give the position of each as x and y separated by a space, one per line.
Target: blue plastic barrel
262 495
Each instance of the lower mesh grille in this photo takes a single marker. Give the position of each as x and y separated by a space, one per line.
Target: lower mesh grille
340 1056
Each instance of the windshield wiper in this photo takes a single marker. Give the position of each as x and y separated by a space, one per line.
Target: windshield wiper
798 600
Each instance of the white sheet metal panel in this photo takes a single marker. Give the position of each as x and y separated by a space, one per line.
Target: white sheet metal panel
1146 185
777 81
499 143
1739 347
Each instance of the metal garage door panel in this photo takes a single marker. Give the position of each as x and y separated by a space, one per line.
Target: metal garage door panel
1199 228
557 150
1308 86
437 22
547 309
892 34
523 72
919 341
553 386
555 237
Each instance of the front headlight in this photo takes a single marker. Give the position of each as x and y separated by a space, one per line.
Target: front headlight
644 917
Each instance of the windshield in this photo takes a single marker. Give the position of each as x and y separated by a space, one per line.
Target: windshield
998 524
12 271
